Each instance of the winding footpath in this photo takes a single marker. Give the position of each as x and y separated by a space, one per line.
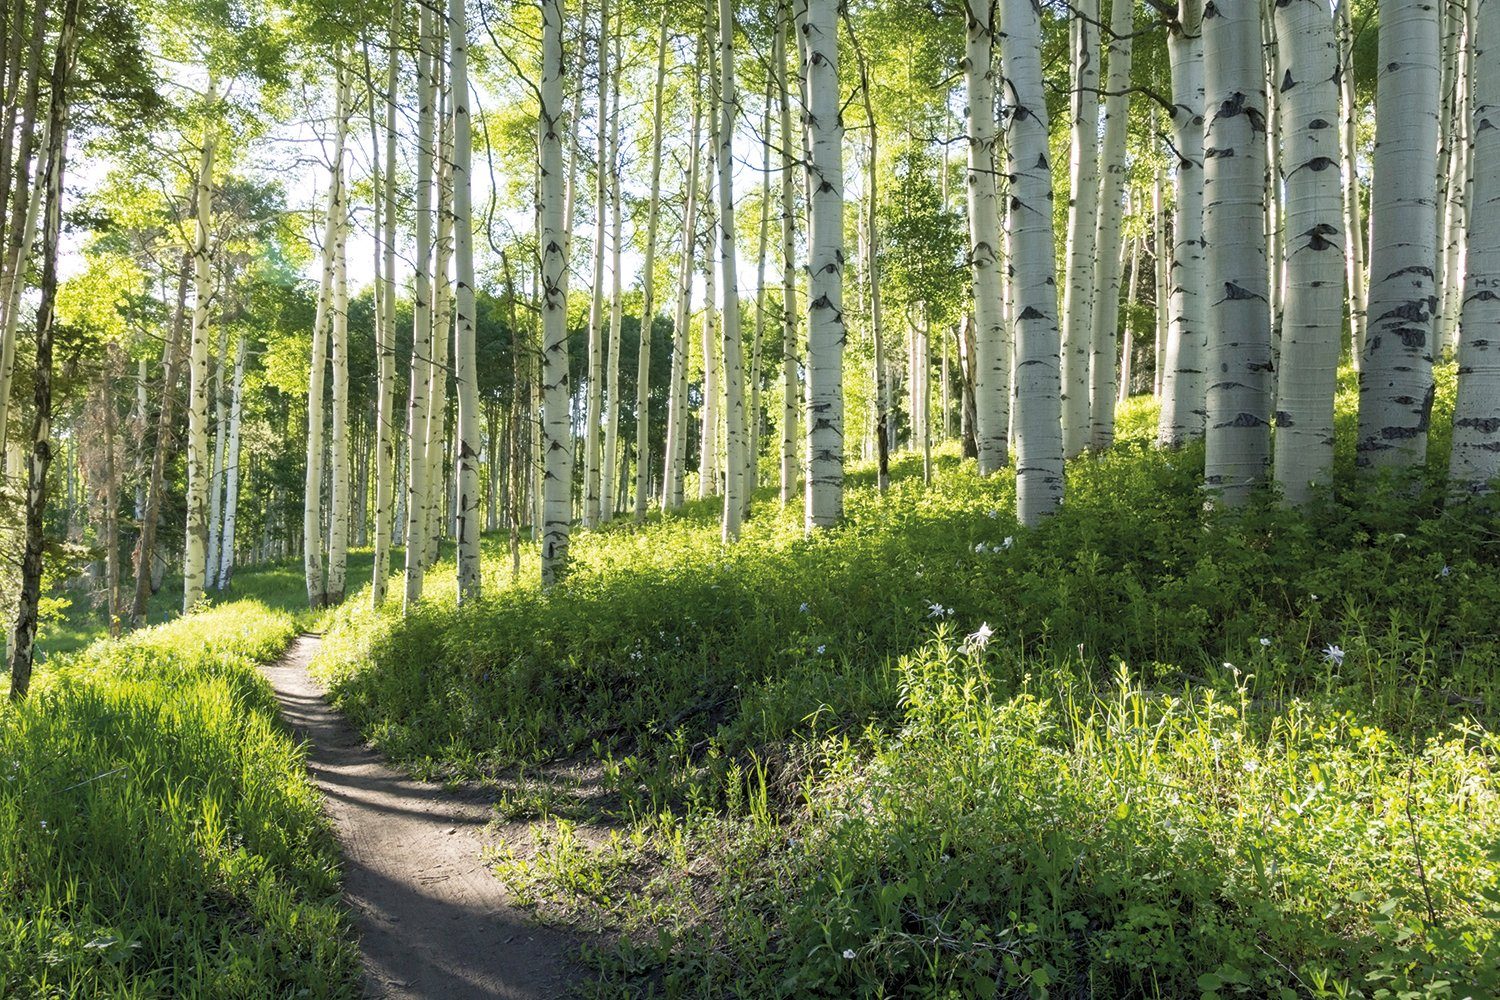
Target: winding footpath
433 921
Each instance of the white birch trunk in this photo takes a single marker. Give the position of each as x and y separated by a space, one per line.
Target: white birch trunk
216 481
1313 319
442 309
732 346
195 555
1475 461
648 289
674 461
826 332
1083 206
992 365
1239 320
385 430
1395 398
232 466
466 367
15 285
1107 237
556 446
708 416
418 403
1354 229
594 410
1183 367
790 362
338 441
1033 253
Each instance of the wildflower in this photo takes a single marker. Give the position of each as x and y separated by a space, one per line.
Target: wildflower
803 609
994 514
821 649
981 547
1228 665
849 954
1009 541
1334 653
1251 766
1264 642
1445 571
44 824
935 610
979 638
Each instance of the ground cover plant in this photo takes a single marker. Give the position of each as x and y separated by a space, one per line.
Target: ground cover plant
1146 749
158 834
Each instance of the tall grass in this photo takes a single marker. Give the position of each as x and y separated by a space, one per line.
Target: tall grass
158 835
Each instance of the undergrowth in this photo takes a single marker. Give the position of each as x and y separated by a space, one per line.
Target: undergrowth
1147 749
158 835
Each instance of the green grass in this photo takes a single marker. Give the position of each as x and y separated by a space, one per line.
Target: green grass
158 834
1152 781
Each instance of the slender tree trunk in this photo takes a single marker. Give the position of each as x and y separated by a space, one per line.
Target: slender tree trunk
216 482
232 466
1083 204
648 289
613 402
1354 242
145 552
733 347
1033 250
29 599
1183 372
595 406
195 553
466 366
1395 382
826 331
674 469
1107 239
385 347
990 368
871 253
1313 323
1127 353
1475 461
1239 321
556 446
338 442
1455 177
12 288
708 422
1162 259
756 423
419 401
790 382
442 308
110 521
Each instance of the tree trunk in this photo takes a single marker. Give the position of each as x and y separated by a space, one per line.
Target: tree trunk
733 347
195 554
385 429
1083 205
1033 250
232 467
338 443
1475 461
825 309
648 290
556 449
1239 320
1105 321
442 308
1182 389
790 382
595 405
1395 381
29 598
990 368
674 468
419 401
466 368
1354 241
1312 325
216 481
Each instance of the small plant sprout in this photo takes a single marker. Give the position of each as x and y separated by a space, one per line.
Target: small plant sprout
1334 653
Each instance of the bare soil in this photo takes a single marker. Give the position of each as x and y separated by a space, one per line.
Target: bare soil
433 920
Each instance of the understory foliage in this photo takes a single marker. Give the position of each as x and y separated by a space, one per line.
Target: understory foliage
158 834
1147 749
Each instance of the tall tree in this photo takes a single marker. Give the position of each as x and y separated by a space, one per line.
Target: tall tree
1395 380
1239 320
195 547
466 368
419 402
1313 320
1083 206
733 349
648 286
992 366
557 450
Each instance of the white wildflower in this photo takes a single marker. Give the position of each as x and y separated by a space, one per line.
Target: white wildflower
1334 653
849 954
1264 641
980 638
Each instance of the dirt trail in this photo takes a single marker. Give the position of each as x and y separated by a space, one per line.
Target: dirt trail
433 921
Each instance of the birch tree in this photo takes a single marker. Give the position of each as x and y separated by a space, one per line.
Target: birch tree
418 404
1033 253
195 544
556 444
232 466
1313 320
1395 381
1239 321
595 403
992 366
825 309
1475 461
616 302
733 349
466 368
648 288
1083 207
790 360
385 346
675 459
1107 238
1182 392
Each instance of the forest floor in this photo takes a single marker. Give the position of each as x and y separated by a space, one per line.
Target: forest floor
433 920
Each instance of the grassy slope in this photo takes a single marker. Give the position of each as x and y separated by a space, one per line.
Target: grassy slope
1151 782
158 836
